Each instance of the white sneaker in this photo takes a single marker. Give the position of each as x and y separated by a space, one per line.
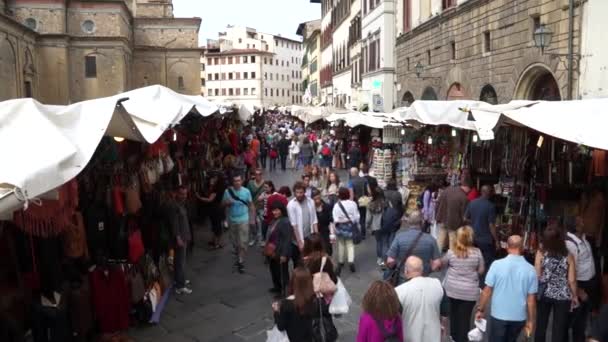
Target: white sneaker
183 290
251 243
380 262
262 244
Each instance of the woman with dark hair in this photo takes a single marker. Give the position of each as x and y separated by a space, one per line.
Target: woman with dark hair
269 197
316 177
373 223
330 190
264 148
557 287
278 247
324 219
212 202
393 195
306 152
296 313
285 191
313 244
381 317
346 219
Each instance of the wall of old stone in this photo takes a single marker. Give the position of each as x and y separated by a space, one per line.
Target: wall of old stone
166 67
54 70
112 76
171 33
50 17
18 59
111 20
512 53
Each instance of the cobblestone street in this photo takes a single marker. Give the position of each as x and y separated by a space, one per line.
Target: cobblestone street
227 306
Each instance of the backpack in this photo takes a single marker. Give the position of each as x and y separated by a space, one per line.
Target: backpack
391 219
326 151
388 336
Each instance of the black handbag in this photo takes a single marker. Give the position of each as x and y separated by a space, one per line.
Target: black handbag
323 328
393 275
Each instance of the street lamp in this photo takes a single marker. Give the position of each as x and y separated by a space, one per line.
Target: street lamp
542 37
419 69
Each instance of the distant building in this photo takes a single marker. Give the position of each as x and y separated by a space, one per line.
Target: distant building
311 59
64 51
257 69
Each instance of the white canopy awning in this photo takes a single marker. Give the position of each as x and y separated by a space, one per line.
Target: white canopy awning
369 119
44 146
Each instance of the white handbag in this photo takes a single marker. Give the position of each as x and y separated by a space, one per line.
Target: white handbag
275 335
341 301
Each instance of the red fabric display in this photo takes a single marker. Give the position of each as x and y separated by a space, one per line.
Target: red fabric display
136 246
111 299
52 217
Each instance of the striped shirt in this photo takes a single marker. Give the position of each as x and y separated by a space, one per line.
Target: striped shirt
462 278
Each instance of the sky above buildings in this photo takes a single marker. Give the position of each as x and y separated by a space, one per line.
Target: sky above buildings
268 16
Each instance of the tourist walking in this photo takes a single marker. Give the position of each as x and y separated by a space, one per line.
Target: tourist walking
481 213
278 247
306 152
450 213
270 196
256 187
212 204
264 149
556 272
274 156
325 221
181 232
354 155
464 265
381 317
240 211
346 220
358 189
316 177
303 218
294 153
393 196
421 299
373 223
511 286
283 148
326 156
330 190
299 314
413 241
580 249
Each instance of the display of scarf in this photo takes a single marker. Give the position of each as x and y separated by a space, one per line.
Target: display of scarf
111 298
74 238
52 217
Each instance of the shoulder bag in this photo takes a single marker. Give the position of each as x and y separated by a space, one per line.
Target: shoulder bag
235 197
323 328
353 226
393 275
270 248
322 283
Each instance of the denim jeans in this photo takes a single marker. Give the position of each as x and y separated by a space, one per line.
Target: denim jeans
179 266
504 331
383 242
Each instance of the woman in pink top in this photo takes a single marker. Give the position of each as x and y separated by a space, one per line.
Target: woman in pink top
381 317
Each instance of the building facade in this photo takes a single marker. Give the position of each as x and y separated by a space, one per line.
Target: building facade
326 72
378 36
485 50
254 69
203 73
311 60
594 51
61 51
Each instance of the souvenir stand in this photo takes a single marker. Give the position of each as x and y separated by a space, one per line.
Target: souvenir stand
94 256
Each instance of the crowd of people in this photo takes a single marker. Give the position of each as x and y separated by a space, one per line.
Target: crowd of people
309 234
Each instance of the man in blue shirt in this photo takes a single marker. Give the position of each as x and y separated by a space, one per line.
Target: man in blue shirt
240 205
511 284
481 213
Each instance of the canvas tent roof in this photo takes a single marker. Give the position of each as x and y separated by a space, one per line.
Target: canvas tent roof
44 146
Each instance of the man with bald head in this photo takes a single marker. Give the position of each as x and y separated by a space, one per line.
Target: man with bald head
511 285
481 214
421 299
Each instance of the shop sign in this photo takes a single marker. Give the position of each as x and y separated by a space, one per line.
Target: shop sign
378 102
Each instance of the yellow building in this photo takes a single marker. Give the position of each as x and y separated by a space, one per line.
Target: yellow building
65 51
311 60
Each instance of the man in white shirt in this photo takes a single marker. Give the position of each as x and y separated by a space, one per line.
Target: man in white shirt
303 217
580 248
421 299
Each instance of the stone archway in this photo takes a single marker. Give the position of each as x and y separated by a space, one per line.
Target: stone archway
429 94
456 92
407 99
537 82
8 70
488 94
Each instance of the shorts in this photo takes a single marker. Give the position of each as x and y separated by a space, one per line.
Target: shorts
239 234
